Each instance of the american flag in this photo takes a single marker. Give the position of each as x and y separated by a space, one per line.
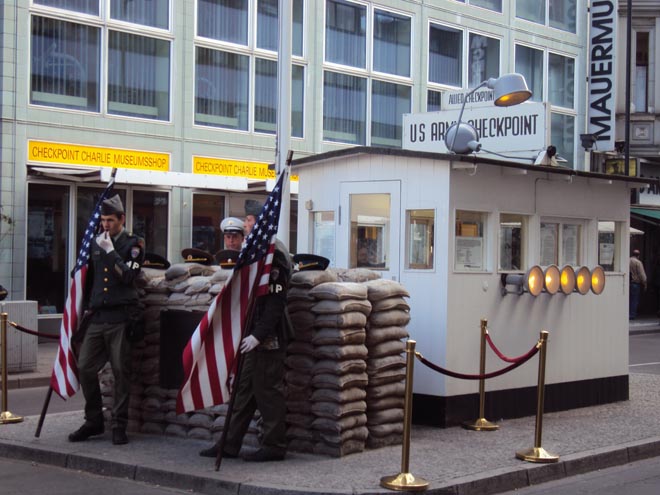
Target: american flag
64 379
209 358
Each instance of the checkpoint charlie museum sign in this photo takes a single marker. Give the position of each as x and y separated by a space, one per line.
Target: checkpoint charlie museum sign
522 128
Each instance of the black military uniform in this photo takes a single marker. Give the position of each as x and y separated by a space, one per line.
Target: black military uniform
261 384
113 299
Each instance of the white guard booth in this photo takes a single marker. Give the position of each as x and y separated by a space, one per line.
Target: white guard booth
449 228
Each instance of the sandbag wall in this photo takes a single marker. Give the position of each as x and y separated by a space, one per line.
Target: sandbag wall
346 372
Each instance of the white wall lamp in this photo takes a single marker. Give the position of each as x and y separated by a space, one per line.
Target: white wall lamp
509 90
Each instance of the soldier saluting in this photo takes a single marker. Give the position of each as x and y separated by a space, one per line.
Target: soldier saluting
116 258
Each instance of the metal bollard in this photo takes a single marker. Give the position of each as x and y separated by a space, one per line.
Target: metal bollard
482 424
5 416
538 453
406 481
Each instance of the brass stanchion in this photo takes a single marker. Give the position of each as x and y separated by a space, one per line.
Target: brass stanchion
482 423
538 453
406 480
5 416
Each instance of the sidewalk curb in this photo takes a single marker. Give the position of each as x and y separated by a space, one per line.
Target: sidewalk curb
496 481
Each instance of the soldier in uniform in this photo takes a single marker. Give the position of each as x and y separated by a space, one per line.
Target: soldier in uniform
232 232
252 211
261 384
111 296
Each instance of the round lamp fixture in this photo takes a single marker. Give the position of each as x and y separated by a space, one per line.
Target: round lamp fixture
510 89
534 280
551 279
567 279
582 280
597 280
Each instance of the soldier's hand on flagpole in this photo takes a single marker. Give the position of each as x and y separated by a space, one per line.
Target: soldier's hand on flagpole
104 242
249 343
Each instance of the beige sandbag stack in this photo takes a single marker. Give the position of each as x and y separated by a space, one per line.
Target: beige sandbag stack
339 375
300 358
386 361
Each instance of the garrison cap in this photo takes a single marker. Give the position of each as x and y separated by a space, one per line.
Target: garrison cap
232 224
153 260
252 207
112 206
194 255
310 262
227 258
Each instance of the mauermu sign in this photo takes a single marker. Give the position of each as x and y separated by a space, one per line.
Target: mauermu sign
602 78
503 130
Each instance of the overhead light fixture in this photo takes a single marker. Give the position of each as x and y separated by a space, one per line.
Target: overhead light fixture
567 280
597 280
508 90
582 280
551 279
532 281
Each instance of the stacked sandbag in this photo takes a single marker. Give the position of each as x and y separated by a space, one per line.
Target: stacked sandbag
339 376
386 361
300 358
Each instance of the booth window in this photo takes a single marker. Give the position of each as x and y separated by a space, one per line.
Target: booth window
47 234
561 243
323 234
608 255
419 239
150 219
370 231
469 241
208 211
512 241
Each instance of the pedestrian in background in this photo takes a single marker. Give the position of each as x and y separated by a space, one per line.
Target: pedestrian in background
637 283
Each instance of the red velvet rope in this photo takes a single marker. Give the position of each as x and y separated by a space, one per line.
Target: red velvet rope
485 376
499 354
32 332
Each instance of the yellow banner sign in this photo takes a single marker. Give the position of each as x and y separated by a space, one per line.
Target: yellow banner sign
233 168
93 156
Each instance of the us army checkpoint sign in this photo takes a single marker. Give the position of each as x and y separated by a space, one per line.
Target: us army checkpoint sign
521 128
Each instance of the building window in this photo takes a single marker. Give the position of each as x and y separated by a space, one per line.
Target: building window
344 108
323 234
138 84
65 67
484 58
370 231
391 43
561 80
419 239
513 239
529 63
561 13
47 248
641 83
222 84
388 102
469 248
82 6
265 97
268 27
495 5
345 33
562 135
561 243
208 211
223 20
151 214
433 101
153 13
445 55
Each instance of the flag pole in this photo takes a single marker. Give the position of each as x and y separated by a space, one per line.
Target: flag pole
49 393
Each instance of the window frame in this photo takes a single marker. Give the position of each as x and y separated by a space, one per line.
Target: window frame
484 235
581 243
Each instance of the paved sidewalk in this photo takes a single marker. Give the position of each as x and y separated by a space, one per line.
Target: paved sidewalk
453 460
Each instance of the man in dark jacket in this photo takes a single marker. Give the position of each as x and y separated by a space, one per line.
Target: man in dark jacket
116 258
261 383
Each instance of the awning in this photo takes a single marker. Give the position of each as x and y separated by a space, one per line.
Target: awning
646 215
608 227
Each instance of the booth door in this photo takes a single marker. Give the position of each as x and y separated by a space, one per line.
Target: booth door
369 226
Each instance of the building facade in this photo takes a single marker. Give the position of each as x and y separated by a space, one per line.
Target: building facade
181 97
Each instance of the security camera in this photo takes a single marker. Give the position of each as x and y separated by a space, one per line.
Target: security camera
619 146
588 141
547 157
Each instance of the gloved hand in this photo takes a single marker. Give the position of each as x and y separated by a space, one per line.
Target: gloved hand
249 343
104 242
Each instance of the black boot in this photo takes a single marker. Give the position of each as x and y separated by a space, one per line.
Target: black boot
213 452
119 436
85 431
266 454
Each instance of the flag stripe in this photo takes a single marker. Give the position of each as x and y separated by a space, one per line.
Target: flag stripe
209 359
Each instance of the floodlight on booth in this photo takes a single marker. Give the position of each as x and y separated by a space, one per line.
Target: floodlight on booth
597 280
551 280
582 280
531 281
567 280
